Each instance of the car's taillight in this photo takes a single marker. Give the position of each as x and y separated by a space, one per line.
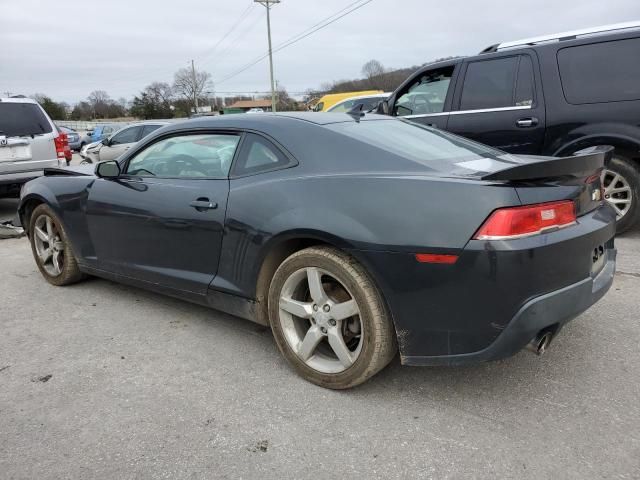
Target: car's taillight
61 142
518 222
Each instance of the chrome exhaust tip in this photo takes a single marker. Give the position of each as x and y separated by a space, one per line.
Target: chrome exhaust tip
540 343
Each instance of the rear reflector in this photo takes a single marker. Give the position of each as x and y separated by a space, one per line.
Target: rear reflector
436 258
518 222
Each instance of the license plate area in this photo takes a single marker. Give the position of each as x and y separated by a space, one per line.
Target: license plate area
598 259
14 153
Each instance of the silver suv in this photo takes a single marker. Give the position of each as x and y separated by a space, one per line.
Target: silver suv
29 143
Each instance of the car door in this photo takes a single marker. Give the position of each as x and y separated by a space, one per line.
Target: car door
426 99
499 102
120 143
161 221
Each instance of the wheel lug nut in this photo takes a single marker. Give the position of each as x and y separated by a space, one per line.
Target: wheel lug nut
323 330
315 308
326 308
332 322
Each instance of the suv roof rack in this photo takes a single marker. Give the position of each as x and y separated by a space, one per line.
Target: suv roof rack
559 37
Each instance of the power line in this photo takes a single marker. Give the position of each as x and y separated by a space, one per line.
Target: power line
240 35
241 18
296 38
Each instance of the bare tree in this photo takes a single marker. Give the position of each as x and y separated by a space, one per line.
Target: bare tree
191 84
99 101
373 71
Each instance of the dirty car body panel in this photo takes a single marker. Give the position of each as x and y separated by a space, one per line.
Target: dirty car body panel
364 186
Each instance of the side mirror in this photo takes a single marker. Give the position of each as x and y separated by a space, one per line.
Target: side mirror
108 169
383 107
106 142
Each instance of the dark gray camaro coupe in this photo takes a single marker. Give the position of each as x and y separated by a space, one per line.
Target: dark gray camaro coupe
351 236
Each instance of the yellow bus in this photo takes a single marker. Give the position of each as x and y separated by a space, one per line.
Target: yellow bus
331 99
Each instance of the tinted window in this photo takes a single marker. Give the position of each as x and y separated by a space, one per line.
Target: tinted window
427 95
191 156
489 84
259 155
147 129
20 119
602 72
128 135
424 147
525 83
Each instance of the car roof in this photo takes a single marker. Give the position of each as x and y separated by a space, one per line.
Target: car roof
17 100
270 119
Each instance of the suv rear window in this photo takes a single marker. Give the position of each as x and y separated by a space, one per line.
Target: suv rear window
601 72
22 119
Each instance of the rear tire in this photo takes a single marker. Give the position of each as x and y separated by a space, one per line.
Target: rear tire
352 336
51 248
621 182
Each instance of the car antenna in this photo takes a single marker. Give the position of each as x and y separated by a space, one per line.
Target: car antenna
356 112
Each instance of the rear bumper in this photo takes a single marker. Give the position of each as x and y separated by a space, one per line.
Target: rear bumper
552 310
498 295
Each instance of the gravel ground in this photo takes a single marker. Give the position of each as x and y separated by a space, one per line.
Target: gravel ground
99 380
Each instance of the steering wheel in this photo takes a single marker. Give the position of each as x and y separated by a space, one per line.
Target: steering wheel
182 162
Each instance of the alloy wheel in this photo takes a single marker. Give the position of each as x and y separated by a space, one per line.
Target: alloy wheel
320 320
617 191
49 245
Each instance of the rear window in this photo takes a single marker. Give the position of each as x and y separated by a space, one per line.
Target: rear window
23 119
601 72
439 151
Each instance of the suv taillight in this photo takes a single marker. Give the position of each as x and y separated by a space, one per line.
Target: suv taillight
518 222
63 151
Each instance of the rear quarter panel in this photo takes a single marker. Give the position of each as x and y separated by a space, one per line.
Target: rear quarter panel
352 212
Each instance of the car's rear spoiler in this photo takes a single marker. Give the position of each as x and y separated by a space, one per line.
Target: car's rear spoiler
584 163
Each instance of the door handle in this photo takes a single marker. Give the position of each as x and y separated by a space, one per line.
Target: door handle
203 204
527 122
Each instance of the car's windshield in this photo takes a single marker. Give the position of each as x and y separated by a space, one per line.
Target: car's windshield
427 147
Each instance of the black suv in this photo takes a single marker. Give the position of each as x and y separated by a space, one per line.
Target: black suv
550 95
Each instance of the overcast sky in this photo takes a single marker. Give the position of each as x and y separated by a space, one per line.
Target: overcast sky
67 48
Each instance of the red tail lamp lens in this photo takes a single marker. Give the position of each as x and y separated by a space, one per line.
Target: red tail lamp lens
517 222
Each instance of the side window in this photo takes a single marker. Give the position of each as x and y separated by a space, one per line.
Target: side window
128 135
342 107
147 129
525 83
427 95
489 84
186 156
107 130
259 155
601 72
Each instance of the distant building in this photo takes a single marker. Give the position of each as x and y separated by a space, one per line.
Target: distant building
246 105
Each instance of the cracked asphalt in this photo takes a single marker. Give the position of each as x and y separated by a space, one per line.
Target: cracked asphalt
98 380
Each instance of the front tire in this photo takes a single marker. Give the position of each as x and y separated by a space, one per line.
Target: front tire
51 248
621 183
329 319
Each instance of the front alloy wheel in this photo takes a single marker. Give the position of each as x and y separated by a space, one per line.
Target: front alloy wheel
48 245
51 247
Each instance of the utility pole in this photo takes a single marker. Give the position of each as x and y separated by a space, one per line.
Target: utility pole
267 4
195 85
